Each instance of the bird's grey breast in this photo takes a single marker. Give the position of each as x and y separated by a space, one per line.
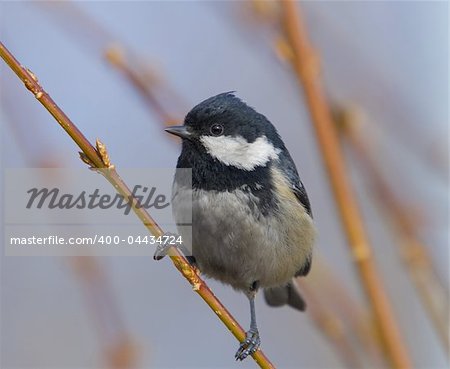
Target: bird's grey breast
235 243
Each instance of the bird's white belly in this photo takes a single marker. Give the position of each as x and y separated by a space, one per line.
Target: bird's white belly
234 246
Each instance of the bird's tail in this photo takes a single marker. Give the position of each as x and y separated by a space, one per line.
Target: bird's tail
284 295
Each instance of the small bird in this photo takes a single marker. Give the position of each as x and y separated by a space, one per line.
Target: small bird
252 223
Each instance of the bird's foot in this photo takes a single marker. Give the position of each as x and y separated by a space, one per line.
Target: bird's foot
163 248
249 346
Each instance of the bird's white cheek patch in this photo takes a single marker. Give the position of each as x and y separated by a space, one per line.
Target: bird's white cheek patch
240 153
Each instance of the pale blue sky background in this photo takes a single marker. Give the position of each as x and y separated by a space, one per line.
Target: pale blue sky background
388 58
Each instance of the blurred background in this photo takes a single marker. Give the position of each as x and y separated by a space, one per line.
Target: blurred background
121 70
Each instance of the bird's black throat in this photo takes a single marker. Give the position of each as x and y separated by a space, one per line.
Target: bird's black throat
210 174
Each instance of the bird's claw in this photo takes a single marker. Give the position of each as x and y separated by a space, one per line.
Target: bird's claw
163 248
249 346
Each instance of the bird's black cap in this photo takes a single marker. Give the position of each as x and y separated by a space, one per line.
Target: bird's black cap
235 115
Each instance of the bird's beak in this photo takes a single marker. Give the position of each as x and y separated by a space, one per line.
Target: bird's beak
180 131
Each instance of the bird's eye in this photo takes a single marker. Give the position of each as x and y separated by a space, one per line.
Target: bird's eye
216 129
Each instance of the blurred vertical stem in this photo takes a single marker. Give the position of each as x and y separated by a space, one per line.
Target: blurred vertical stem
116 57
98 159
415 254
305 64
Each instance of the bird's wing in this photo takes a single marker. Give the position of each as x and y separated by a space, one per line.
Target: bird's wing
288 166
304 270
300 192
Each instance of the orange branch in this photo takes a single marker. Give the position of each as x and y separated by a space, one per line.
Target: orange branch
415 254
305 65
98 158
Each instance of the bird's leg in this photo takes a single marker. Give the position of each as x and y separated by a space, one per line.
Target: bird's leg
163 248
252 341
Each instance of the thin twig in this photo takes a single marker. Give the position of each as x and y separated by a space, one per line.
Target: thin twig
93 37
98 158
116 56
415 254
305 65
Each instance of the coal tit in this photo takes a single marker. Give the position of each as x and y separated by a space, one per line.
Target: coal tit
252 224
